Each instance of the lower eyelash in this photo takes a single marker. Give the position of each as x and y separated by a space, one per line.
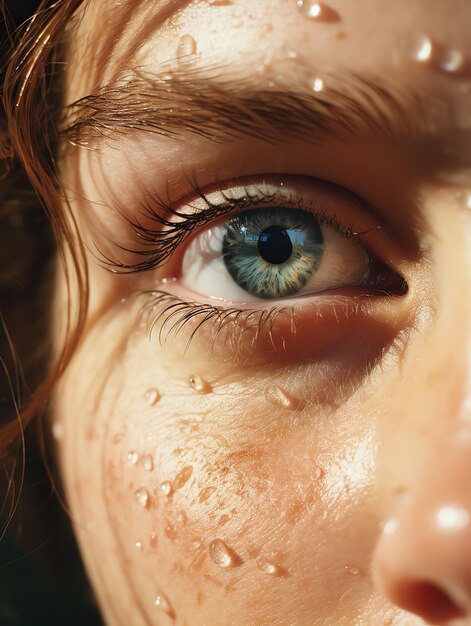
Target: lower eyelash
174 314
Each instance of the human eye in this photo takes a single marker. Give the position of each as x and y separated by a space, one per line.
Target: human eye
285 247
260 259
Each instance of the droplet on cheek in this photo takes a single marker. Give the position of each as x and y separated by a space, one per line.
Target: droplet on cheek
133 457
142 497
353 570
163 604
182 478
138 545
147 462
206 493
166 488
186 46
270 568
317 11
152 396
223 555
199 384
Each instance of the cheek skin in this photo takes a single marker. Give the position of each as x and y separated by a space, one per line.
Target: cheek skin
154 480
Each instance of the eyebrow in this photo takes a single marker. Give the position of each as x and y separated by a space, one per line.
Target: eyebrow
178 103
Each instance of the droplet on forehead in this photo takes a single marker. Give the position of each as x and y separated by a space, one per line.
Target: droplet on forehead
186 46
317 11
422 49
451 61
133 457
199 384
278 396
270 568
152 396
317 85
163 603
142 497
223 555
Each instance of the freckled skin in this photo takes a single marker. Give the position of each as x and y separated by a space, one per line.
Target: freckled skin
304 483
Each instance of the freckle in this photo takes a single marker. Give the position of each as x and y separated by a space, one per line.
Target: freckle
270 568
200 598
186 46
223 555
166 488
153 540
171 531
341 35
206 493
142 497
253 551
118 438
182 477
276 395
163 603
199 384
182 518
147 462
133 457
317 11
223 520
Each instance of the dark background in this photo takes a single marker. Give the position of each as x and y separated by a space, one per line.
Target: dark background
42 582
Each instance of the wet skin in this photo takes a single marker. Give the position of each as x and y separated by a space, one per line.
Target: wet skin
318 472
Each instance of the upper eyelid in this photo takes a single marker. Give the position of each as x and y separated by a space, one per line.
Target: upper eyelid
159 235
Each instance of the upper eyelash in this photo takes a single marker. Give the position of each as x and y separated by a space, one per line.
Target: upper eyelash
158 244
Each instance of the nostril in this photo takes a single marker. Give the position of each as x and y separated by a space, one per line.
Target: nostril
429 601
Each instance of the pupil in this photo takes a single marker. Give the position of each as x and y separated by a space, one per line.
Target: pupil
275 246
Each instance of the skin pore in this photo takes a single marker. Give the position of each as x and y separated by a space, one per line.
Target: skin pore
301 460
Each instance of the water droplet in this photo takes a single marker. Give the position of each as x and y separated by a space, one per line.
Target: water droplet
163 603
205 493
292 54
276 395
147 462
186 46
133 457
223 520
139 545
166 488
422 49
199 384
58 430
153 540
451 61
142 497
317 11
223 555
391 526
171 531
182 518
270 568
152 396
353 570
182 477
317 85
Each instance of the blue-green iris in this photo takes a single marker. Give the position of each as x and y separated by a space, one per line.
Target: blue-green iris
273 252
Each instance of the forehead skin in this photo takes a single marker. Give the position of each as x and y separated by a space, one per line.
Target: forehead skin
304 492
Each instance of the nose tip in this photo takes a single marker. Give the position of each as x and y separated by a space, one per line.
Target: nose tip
422 562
